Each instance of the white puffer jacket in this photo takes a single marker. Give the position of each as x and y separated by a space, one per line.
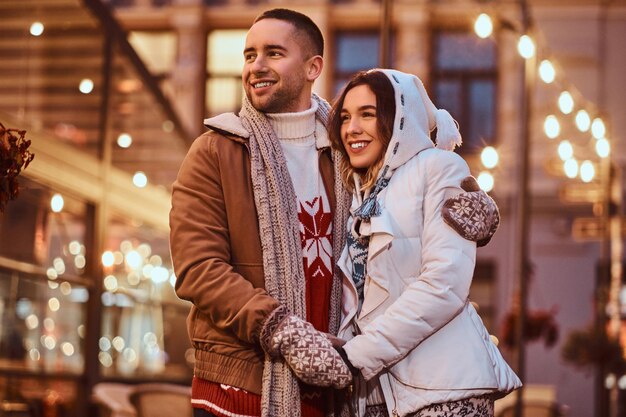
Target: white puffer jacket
417 330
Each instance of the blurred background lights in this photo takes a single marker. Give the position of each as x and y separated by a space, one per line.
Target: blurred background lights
483 27
133 259
546 71
49 342
133 278
598 130
57 203
74 247
570 167
159 275
81 329
566 102
80 262
59 265
587 171
85 86
104 343
32 322
54 304
565 150
489 157
118 343
173 280
67 348
36 28
105 359
603 147
140 180
526 47
144 250
551 126
485 181
129 354
582 120
168 126
110 283
52 273
124 140
126 246
108 258
34 354
66 288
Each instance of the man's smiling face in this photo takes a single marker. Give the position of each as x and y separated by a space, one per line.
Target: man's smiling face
275 70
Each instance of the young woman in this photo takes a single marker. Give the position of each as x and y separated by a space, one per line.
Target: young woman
415 340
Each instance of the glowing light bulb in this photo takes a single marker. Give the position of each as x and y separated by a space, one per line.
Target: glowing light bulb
565 150
566 102
587 171
485 181
489 157
483 27
124 140
598 130
36 28
526 47
546 71
583 121
56 203
603 147
140 180
571 168
85 86
551 126
108 259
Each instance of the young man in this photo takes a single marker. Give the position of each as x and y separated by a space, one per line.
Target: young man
253 215
257 222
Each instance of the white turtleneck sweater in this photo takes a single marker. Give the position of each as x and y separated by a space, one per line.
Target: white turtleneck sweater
300 134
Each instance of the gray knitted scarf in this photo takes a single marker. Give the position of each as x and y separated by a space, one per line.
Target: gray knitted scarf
276 205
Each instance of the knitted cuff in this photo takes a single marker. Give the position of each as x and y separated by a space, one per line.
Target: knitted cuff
269 327
342 352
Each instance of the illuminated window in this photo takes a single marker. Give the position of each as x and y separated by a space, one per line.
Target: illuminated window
464 75
224 65
158 52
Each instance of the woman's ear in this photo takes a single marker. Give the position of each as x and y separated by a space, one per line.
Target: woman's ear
315 64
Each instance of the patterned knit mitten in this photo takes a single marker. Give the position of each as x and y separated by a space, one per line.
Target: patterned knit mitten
307 351
473 213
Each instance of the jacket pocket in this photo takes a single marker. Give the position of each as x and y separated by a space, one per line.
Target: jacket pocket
455 357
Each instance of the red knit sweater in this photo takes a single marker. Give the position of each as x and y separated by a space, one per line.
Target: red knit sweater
316 238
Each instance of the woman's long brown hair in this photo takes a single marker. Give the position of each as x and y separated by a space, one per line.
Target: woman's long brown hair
385 115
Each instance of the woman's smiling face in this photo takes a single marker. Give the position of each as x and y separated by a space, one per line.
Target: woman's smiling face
359 127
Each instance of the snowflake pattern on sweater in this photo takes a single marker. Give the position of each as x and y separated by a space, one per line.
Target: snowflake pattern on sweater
317 257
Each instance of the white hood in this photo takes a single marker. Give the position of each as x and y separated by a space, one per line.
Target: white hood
416 117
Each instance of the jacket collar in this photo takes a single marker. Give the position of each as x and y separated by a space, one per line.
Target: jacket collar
229 124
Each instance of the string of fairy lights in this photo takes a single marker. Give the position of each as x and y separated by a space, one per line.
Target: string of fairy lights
575 124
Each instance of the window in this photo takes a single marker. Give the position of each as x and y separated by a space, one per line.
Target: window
355 51
224 65
464 76
158 52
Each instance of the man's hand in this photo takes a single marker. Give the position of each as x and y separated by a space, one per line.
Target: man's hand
306 350
473 213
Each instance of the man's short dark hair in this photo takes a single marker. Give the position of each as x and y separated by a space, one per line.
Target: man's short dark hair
302 23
